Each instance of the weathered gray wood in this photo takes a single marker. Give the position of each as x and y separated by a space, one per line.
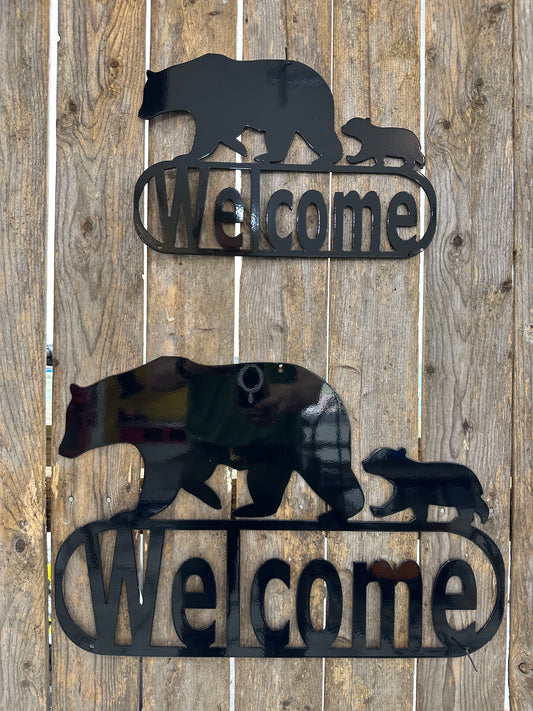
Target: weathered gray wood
24 679
98 300
466 414
283 316
373 322
190 313
521 651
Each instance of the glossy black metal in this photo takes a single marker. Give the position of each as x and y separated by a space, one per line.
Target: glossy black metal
275 642
281 98
185 418
270 419
194 638
318 640
419 484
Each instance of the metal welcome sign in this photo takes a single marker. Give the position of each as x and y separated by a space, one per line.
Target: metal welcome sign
281 98
266 419
269 419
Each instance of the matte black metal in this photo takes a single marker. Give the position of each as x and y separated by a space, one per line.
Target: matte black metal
185 419
378 143
281 98
274 643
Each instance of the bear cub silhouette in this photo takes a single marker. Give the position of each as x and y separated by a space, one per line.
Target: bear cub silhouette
380 143
186 418
224 96
419 484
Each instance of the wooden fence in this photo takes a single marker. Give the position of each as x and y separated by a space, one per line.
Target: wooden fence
354 322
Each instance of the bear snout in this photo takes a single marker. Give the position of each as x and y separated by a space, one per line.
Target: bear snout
69 447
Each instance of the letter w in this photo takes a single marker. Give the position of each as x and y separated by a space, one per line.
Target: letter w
181 203
106 611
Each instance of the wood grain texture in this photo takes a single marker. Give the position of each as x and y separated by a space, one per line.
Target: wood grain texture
373 321
24 679
98 299
521 651
190 314
466 412
283 317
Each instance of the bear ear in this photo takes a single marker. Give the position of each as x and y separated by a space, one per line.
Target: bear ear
75 389
149 73
402 452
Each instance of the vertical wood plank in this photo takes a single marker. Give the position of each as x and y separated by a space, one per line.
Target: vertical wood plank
98 300
468 304
283 316
373 321
190 314
24 679
521 649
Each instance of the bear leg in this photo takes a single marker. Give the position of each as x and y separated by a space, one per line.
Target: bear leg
336 484
198 465
160 488
420 511
267 481
278 144
204 143
235 145
345 505
325 143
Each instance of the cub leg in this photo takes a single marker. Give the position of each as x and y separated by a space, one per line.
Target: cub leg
393 505
360 157
466 515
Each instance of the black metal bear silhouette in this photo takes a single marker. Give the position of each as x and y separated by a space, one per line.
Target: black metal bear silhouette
380 142
186 418
224 96
419 484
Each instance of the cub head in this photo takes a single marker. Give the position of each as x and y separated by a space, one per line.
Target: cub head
382 459
357 127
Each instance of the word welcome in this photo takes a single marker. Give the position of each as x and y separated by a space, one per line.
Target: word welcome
181 218
273 642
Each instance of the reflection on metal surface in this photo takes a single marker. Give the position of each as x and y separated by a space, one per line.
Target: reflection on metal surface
270 419
274 642
419 484
281 99
185 418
